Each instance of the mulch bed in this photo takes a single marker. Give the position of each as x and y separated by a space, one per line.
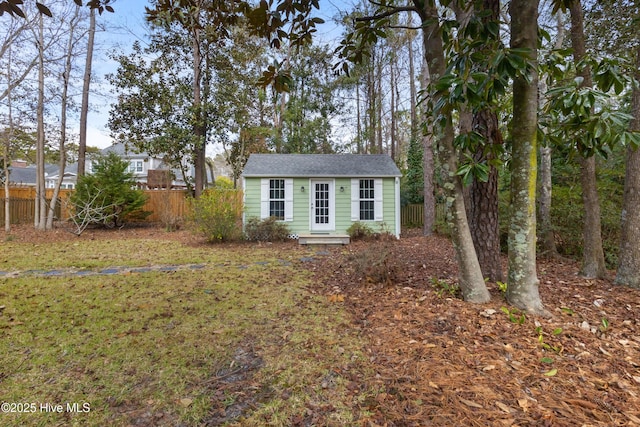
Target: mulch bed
444 362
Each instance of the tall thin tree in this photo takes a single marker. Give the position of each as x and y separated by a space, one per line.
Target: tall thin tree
522 290
86 84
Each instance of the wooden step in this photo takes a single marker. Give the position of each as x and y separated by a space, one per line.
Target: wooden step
323 239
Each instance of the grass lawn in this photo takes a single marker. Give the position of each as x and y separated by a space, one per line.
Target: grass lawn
243 340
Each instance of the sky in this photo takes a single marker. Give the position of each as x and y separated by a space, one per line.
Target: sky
128 24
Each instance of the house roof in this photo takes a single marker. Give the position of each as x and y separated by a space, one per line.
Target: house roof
320 165
123 150
22 175
26 175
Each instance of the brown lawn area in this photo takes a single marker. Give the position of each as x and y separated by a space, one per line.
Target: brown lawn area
443 362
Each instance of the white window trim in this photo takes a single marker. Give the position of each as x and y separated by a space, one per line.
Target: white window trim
288 198
377 195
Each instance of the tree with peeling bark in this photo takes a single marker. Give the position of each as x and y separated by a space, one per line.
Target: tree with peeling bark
522 289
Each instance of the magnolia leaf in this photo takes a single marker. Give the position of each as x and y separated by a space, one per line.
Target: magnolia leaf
44 9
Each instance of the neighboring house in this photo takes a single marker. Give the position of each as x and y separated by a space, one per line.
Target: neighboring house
68 180
323 193
140 163
23 175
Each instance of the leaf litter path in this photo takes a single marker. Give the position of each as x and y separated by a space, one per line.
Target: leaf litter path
440 361
137 270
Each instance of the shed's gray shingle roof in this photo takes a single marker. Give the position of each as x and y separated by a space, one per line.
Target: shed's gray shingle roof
320 165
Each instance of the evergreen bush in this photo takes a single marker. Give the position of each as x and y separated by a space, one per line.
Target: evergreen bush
108 195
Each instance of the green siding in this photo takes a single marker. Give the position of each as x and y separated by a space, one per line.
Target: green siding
302 203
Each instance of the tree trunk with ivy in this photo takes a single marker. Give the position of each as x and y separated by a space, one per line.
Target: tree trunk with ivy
470 277
629 260
522 289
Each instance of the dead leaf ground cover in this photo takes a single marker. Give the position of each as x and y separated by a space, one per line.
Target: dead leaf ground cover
444 362
409 352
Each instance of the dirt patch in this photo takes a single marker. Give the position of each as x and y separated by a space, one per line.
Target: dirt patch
232 390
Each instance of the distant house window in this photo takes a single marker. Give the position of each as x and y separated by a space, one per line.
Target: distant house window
276 198
367 200
135 166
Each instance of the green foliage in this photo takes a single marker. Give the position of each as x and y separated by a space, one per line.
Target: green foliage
266 230
359 230
107 196
502 287
556 348
412 184
589 117
567 218
217 215
223 182
515 316
155 111
444 288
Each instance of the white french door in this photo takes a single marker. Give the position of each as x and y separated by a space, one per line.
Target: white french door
322 205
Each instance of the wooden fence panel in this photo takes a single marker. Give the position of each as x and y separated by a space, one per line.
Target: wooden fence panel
165 205
413 215
22 204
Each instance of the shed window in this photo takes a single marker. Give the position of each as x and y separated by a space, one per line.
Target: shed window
367 200
276 198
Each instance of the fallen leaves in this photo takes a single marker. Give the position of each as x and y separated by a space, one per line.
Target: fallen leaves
433 353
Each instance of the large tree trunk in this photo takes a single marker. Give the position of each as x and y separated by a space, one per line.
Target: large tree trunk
84 107
593 265
470 277
483 198
629 260
428 168
522 289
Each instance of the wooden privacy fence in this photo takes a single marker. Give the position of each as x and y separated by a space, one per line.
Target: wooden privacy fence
413 215
165 205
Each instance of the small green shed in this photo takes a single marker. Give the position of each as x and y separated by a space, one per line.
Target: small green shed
323 194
